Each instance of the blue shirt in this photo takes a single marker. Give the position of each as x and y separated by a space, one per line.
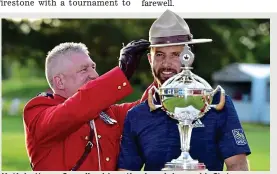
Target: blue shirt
152 138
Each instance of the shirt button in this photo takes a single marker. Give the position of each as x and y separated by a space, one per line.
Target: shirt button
124 84
86 138
119 87
99 136
107 159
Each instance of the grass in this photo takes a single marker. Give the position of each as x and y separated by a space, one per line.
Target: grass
259 141
14 156
23 88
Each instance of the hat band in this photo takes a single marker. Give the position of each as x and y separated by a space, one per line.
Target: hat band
171 39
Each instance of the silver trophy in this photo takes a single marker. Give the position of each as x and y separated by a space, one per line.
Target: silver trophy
186 97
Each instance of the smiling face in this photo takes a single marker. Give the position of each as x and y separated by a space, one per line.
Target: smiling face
78 69
165 62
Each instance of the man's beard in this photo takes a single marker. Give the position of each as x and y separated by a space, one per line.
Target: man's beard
158 74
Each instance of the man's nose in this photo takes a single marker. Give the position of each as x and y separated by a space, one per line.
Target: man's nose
166 62
93 74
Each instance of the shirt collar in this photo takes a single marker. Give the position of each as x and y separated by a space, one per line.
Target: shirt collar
155 98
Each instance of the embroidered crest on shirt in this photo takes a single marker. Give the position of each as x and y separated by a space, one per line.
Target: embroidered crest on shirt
239 137
107 119
198 123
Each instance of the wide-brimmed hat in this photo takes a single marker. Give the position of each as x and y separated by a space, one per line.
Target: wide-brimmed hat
169 30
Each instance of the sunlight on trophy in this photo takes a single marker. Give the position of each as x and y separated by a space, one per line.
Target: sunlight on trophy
186 97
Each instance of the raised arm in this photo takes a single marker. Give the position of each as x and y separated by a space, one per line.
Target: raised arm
48 121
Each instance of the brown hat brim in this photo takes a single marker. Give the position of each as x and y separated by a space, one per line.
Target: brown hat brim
193 41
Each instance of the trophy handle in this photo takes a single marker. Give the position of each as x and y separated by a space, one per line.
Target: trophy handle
151 104
221 103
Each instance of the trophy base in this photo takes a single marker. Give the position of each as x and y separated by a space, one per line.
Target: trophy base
192 165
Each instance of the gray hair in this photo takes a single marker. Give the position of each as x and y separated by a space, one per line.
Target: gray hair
57 54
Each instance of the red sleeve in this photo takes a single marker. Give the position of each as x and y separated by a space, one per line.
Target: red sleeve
48 121
122 109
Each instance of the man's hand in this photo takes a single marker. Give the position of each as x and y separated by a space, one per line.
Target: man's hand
130 56
237 163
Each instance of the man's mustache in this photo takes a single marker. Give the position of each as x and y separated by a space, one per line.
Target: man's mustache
167 69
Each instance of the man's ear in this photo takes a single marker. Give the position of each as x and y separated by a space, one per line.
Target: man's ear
149 58
59 81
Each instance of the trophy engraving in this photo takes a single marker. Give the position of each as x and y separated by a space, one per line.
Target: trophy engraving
186 97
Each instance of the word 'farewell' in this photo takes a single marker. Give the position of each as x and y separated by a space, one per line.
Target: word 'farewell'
157 3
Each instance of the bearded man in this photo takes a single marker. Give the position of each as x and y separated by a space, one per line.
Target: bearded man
151 138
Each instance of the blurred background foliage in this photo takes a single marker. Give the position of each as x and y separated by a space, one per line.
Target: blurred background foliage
25 44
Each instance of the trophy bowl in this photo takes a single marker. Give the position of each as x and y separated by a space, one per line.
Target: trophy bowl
194 100
186 97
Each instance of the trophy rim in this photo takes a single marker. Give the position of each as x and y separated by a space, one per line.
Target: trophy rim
181 92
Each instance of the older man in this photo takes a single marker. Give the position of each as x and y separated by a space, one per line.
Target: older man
151 138
78 127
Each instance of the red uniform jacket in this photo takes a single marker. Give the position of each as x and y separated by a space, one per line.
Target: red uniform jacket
57 129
